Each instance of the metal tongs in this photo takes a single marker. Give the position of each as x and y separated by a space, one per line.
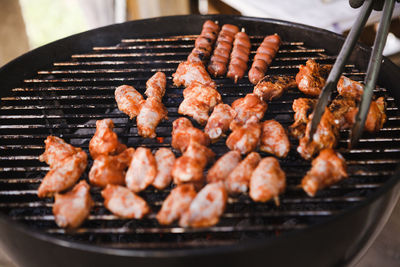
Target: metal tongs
372 71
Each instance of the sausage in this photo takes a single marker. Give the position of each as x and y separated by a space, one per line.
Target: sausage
263 58
220 58
239 56
204 43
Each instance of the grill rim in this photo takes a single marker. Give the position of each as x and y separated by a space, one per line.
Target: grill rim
18 63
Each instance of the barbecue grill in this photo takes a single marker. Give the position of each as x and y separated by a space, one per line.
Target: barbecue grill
64 87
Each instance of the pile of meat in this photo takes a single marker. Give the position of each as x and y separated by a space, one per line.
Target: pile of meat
199 200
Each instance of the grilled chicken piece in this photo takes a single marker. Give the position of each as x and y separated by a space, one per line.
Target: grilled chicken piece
63 175
327 169
247 107
183 132
188 72
245 138
223 167
105 141
339 107
190 166
108 169
177 202
142 170
238 180
326 136
155 86
303 107
152 112
206 208
311 78
375 119
349 88
274 139
56 151
124 203
267 181
72 208
219 121
128 100
272 87
198 101
165 159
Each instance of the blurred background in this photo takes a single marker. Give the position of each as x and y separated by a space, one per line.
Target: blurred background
27 24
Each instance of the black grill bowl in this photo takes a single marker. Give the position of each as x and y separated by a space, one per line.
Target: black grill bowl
337 239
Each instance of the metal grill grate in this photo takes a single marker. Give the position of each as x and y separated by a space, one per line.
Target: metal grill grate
67 100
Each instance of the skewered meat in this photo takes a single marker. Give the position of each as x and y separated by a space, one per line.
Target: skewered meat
349 88
107 169
247 107
238 180
303 107
239 56
272 87
56 151
72 208
124 203
177 202
245 138
339 107
311 78
267 181
223 167
188 72
206 208
265 54
327 169
274 139
219 121
198 101
142 170
325 136
155 86
105 141
220 57
128 100
190 166
204 43
165 159
183 132
151 113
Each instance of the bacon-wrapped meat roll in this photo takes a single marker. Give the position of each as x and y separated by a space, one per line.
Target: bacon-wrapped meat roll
239 56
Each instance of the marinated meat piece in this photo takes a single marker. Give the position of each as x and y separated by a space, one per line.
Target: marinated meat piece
107 169
206 208
350 89
219 121
124 203
155 86
188 72
204 43
165 159
177 202
105 141
274 139
63 175
223 167
56 151
272 87
303 107
311 78
239 56
340 107
142 170
72 208
183 132
326 136
238 180
247 107
128 100
245 138
198 101
152 112
327 169
267 181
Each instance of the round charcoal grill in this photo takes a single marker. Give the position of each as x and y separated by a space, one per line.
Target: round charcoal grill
63 88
